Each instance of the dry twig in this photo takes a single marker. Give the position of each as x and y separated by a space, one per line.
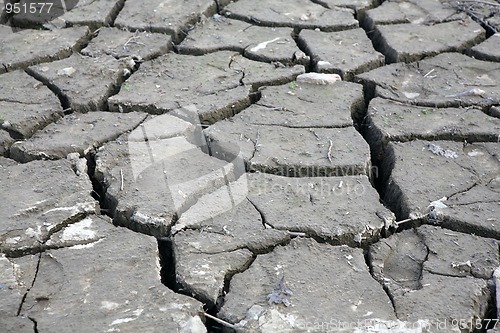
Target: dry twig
220 321
329 154
121 176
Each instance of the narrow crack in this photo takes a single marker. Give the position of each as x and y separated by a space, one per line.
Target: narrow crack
368 262
302 46
98 189
265 225
218 6
211 324
474 203
274 108
421 275
116 11
70 220
255 148
32 284
100 104
169 279
35 324
465 190
311 199
167 263
66 105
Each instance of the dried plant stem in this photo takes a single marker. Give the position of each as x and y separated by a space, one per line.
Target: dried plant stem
329 154
220 321
121 176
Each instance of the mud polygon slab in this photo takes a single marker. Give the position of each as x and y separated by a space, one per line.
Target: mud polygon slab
413 11
475 210
29 47
415 264
211 83
400 122
75 133
204 274
393 121
410 42
301 14
84 83
489 49
106 285
320 207
345 53
446 80
149 182
220 224
306 105
121 44
261 74
193 173
255 42
11 297
5 142
91 13
158 127
172 17
344 277
420 177
396 261
458 254
38 198
294 152
189 168
443 300
143 203
26 105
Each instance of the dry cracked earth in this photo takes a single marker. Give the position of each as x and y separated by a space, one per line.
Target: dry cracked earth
250 166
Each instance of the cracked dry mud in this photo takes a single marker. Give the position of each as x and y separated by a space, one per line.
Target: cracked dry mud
164 167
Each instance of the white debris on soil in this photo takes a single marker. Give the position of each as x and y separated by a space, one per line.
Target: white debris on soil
79 231
411 95
438 204
441 152
66 71
263 45
470 92
318 78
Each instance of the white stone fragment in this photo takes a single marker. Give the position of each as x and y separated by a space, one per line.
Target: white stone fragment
318 78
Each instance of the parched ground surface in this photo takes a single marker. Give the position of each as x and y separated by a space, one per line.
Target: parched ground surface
250 166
